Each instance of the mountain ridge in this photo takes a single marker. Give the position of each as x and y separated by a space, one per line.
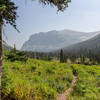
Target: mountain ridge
92 44
53 40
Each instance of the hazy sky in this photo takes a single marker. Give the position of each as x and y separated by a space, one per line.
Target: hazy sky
81 15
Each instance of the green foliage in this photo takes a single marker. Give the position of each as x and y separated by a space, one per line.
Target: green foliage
60 4
62 58
47 58
35 79
8 12
87 87
43 80
15 55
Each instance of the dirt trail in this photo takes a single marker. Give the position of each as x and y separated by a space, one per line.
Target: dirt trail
63 96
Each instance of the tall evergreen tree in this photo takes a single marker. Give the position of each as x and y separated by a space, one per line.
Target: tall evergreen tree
61 56
7 16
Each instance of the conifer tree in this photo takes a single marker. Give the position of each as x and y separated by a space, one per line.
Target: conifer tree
8 15
61 56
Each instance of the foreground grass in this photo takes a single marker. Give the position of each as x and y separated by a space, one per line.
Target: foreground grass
42 80
35 80
88 85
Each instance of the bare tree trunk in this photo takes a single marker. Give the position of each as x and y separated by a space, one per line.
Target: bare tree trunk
0 50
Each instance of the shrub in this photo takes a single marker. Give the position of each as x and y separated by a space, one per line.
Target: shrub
15 55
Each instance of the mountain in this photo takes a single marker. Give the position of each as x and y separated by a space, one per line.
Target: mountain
92 44
53 40
6 46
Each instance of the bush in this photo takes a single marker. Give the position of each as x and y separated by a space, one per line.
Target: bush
15 55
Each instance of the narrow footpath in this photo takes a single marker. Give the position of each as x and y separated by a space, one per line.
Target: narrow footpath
63 96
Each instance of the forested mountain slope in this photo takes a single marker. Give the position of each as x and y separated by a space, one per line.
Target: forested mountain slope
92 44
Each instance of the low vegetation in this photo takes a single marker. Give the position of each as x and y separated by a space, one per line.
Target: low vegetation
30 79
43 80
15 55
35 79
88 85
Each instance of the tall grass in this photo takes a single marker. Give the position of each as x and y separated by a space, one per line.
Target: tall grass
34 80
43 80
88 85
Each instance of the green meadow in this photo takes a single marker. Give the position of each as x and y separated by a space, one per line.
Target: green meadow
43 80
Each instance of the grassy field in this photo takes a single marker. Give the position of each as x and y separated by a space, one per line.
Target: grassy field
43 80
88 85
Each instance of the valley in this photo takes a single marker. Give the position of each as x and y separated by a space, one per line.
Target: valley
69 73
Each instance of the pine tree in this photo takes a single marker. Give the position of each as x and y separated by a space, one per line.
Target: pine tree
61 56
7 16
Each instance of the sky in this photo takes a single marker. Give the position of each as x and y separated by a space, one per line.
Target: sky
81 15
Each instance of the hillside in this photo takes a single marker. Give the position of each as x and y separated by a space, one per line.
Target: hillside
92 44
53 40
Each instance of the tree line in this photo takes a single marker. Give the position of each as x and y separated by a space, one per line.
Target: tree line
83 57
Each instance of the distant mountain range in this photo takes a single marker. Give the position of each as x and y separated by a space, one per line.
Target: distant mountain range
92 44
54 40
